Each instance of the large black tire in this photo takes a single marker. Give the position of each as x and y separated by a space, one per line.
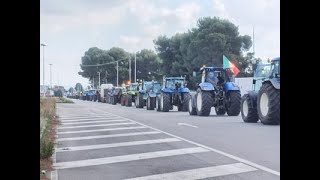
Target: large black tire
204 102
114 100
233 106
165 102
179 107
140 101
192 109
122 100
185 104
268 103
152 103
148 103
129 100
158 103
220 111
249 112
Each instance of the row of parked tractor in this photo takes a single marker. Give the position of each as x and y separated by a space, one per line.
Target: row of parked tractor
217 89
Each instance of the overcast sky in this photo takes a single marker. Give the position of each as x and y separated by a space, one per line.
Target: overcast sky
71 27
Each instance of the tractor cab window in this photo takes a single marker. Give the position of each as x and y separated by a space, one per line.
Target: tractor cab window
175 83
276 69
156 87
215 77
133 88
170 84
263 70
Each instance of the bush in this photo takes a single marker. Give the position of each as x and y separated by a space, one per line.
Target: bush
46 148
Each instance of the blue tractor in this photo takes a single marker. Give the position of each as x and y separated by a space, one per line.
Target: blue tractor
263 102
148 90
217 89
173 93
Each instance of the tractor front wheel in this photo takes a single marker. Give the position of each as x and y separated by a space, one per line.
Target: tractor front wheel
233 103
268 103
248 109
204 102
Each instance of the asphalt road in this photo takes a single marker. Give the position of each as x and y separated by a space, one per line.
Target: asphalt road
103 141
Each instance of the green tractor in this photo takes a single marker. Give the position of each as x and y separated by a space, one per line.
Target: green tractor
130 94
263 102
148 90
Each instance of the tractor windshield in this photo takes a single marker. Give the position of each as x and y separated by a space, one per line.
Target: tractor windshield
216 77
276 69
263 71
133 87
174 83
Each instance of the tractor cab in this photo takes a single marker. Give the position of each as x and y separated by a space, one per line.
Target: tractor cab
216 75
266 72
174 83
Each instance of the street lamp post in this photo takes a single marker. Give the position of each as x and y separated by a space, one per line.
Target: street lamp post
130 68
43 45
99 79
50 77
117 74
135 67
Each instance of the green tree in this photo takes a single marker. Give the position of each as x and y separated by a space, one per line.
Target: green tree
78 87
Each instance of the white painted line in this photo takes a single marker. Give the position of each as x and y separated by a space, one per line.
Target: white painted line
102 146
98 121
214 150
108 136
101 130
80 117
96 125
88 119
185 124
54 175
201 173
126 158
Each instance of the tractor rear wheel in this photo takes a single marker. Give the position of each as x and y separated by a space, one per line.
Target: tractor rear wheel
158 103
185 104
140 101
192 109
268 103
165 102
204 102
248 110
129 100
234 103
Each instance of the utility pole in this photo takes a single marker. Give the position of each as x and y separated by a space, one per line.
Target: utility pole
50 77
135 67
106 76
130 69
117 74
99 79
93 82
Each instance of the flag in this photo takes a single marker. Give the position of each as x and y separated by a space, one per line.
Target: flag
228 64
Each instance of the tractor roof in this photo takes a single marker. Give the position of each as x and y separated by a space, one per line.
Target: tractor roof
174 78
212 68
276 59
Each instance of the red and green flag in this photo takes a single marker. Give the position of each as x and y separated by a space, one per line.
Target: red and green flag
228 64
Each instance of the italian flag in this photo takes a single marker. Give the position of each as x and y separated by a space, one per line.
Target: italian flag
228 64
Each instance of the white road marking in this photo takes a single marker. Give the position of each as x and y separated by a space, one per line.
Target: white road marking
100 130
201 173
108 136
88 119
126 158
96 125
84 116
102 146
185 124
258 166
98 121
